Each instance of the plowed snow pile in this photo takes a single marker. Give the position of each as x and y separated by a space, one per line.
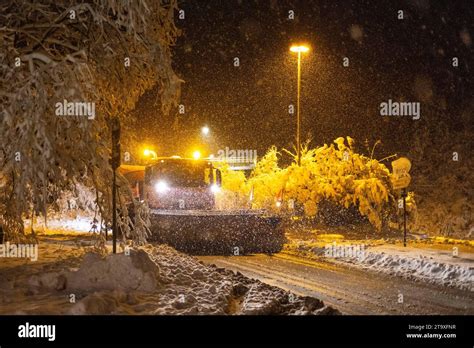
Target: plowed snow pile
433 266
149 280
430 265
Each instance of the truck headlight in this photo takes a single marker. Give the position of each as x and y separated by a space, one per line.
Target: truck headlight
161 187
215 188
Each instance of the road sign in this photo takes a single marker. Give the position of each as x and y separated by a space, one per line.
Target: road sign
400 177
400 180
400 183
401 165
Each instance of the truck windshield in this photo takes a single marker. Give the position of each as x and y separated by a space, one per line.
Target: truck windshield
180 173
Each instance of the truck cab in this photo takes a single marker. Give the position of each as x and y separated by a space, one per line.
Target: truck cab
181 183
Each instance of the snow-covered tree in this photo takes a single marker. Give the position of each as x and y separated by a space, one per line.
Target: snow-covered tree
103 52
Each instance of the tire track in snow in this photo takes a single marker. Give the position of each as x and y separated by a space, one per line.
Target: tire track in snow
331 295
352 291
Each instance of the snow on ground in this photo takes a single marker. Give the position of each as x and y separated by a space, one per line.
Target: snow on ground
431 265
76 224
425 263
149 280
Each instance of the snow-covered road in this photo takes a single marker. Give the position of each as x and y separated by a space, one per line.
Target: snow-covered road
351 290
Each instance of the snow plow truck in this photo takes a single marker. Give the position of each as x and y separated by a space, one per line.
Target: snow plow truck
181 195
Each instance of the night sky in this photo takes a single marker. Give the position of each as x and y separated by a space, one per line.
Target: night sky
246 107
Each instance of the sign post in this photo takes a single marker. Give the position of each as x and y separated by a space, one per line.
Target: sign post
115 162
400 180
404 196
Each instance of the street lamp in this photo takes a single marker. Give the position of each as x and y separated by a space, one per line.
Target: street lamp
298 49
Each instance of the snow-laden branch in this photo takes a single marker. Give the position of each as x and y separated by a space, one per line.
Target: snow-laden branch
73 53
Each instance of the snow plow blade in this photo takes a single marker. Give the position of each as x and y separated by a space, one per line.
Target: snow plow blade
217 232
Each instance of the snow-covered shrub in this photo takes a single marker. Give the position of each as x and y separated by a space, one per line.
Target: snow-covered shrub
267 180
234 193
333 174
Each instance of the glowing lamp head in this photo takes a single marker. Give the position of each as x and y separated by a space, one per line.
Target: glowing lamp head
146 152
299 48
161 187
196 155
278 204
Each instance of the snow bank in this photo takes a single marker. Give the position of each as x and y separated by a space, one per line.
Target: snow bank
430 265
76 223
434 266
122 272
160 280
154 280
428 261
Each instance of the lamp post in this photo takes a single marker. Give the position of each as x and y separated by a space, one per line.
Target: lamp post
298 49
